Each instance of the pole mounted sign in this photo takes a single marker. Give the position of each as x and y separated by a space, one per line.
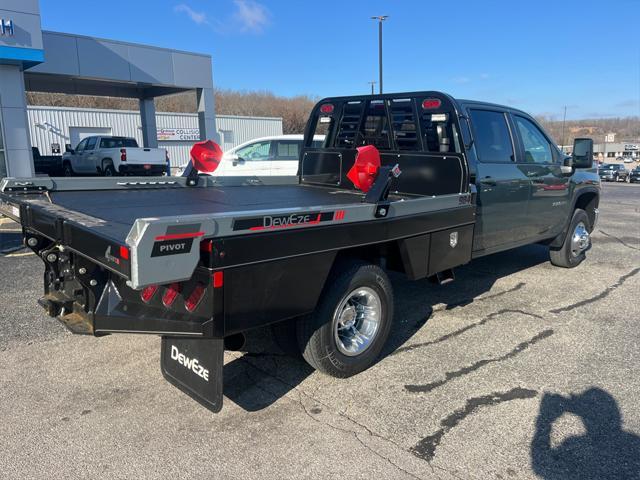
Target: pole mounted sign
6 27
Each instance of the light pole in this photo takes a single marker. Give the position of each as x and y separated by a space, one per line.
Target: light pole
564 120
372 83
380 19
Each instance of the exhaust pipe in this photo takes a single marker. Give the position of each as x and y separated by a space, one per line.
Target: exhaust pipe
234 342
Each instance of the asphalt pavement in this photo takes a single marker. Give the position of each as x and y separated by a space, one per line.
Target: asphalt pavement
516 370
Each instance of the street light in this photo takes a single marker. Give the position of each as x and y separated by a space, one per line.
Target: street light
380 19
372 83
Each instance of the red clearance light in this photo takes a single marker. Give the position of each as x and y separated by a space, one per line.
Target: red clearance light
123 154
124 253
171 294
147 293
218 279
431 103
195 298
326 108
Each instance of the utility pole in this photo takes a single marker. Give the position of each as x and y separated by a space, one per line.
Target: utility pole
564 120
380 19
372 83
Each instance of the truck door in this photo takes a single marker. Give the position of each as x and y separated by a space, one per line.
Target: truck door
286 155
89 157
76 159
503 187
253 159
549 201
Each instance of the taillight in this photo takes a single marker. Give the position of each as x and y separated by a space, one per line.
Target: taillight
431 103
124 253
123 154
218 279
147 293
326 108
195 298
170 294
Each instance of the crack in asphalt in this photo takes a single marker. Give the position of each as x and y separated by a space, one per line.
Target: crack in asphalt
479 364
334 427
462 330
426 448
619 240
600 295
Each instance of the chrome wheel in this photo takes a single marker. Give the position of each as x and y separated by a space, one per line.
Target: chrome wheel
356 321
580 239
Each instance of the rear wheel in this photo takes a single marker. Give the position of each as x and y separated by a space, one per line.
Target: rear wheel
351 323
108 171
577 241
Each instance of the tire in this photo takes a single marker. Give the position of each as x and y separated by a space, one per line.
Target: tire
285 336
318 337
567 256
67 170
109 171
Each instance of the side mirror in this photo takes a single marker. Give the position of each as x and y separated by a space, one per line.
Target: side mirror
236 160
582 156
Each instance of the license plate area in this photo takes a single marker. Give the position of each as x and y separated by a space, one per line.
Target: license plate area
194 365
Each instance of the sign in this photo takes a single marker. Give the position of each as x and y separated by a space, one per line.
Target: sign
630 146
178 134
610 137
6 27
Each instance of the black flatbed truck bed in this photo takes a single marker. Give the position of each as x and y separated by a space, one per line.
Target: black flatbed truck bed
200 260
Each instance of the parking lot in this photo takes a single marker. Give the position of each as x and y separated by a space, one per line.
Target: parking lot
518 369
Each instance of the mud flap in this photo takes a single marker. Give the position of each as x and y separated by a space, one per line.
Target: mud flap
194 365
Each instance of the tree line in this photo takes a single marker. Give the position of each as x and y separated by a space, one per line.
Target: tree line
295 110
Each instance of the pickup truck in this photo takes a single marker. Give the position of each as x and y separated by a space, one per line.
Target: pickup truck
418 183
110 156
46 164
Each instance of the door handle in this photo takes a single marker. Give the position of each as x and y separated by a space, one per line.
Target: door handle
488 181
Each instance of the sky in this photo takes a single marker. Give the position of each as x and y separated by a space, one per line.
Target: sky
537 55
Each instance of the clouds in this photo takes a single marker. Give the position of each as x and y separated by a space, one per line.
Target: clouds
250 16
247 16
199 18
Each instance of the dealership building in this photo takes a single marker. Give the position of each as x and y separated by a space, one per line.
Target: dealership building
42 61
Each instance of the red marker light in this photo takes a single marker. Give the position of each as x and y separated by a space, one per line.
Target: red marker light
218 279
171 294
431 103
124 253
326 108
147 293
195 298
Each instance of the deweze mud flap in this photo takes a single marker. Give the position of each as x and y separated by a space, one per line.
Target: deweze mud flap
194 365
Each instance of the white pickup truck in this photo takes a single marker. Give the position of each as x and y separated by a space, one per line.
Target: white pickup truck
109 156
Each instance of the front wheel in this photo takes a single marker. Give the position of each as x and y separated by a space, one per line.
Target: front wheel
576 242
67 170
351 323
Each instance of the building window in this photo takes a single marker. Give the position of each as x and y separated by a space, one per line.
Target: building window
3 158
611 154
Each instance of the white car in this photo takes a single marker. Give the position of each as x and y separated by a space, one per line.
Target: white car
265 156
109 156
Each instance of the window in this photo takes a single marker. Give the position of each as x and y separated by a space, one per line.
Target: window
288 150
491 136
91 143
81 145
255 152
536 146
118 142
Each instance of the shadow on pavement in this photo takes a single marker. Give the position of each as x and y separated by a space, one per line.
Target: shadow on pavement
10 241
605 451
265 374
